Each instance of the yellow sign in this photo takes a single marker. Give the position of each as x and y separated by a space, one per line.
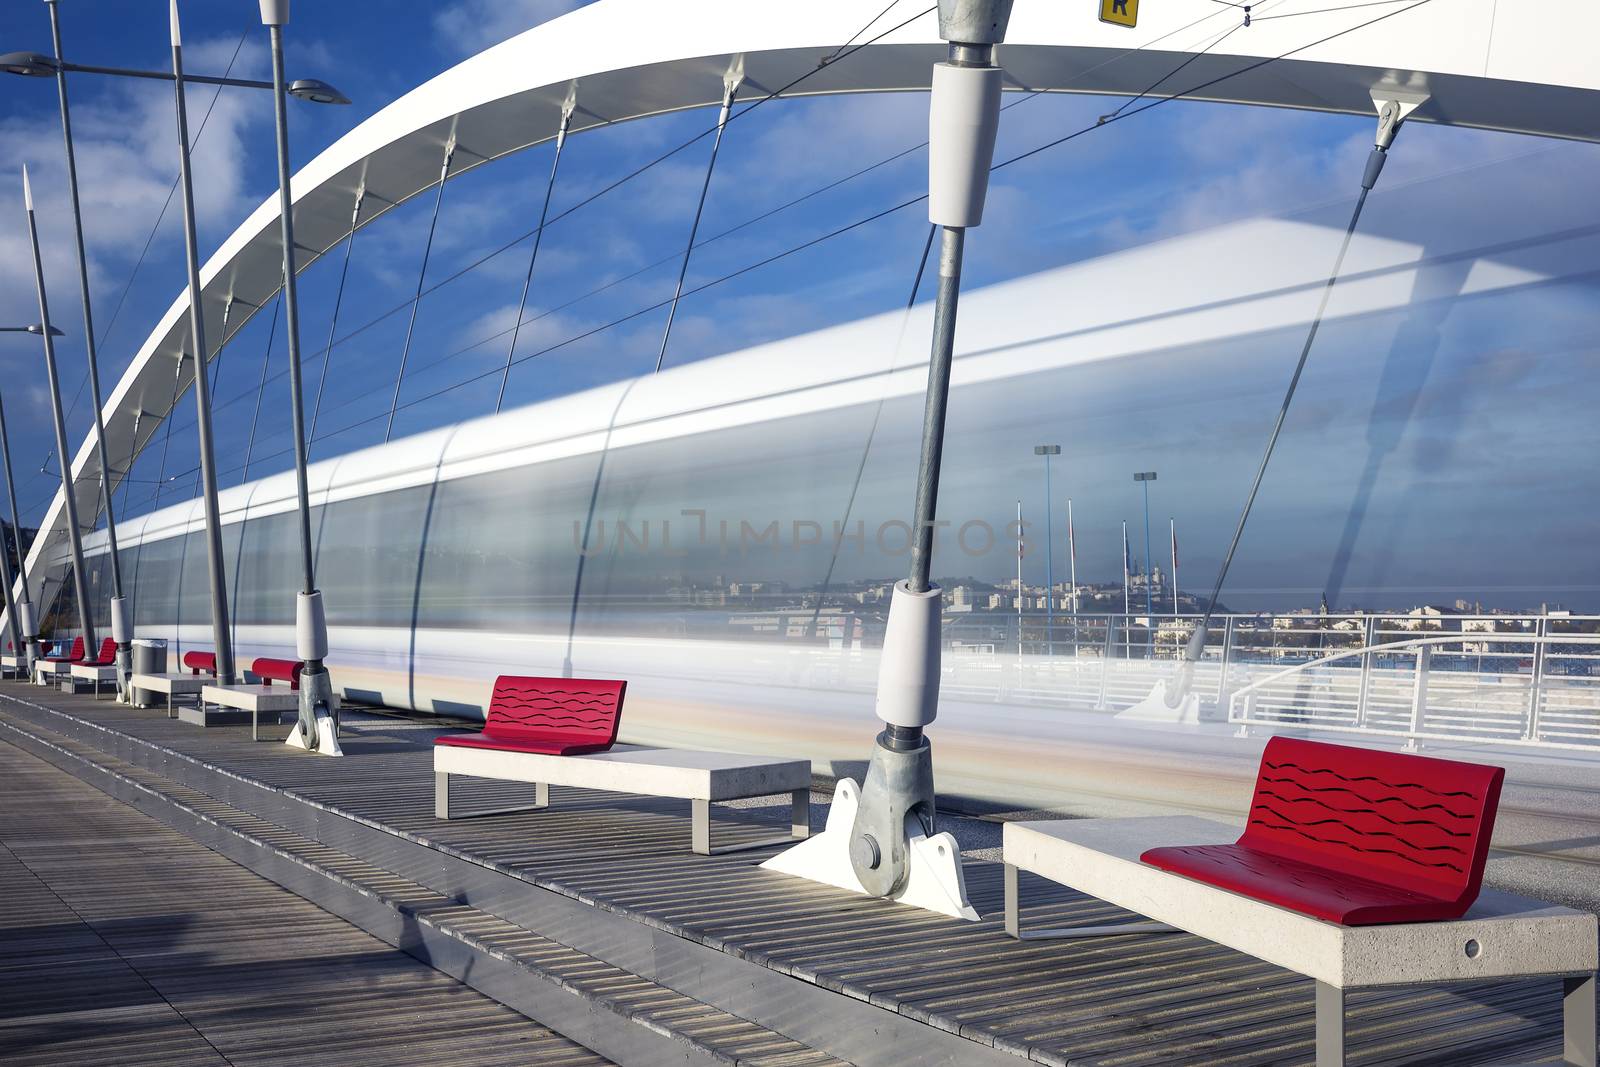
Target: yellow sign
1121 12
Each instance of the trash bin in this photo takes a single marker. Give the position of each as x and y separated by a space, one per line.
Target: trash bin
149 657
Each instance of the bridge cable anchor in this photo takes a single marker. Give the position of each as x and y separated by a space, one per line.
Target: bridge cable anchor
880 837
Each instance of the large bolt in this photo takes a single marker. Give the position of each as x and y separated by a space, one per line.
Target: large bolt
864 852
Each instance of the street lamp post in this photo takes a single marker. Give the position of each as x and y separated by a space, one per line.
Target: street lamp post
19 614
221 636
74 534
1144 478
317 729
36 65
1049 551
121 623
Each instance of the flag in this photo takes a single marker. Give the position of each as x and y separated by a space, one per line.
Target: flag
1127 555
1174 546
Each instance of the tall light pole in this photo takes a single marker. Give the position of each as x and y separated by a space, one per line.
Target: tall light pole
221 635
74 535
19 614
121 623
1049 550
1144 478
36 65
316 730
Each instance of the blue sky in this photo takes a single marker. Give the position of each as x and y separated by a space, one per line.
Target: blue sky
1477 447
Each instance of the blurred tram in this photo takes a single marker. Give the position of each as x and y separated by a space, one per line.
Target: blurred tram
723 534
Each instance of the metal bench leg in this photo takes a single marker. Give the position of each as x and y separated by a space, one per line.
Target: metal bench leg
800 814
1330 1025
1013 926
700 826
441 801
1577 1002
1014 921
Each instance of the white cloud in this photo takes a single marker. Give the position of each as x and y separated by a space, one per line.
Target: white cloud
470 26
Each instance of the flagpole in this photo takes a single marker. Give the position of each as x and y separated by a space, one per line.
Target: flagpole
1019 582
1072 566
1127 627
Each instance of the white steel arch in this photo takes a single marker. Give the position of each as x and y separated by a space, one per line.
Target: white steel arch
1517 67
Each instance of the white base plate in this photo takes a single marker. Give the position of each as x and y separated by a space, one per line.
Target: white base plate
935 883
327 739
1154 708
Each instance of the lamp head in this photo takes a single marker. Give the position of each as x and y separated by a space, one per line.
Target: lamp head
317 92
37 330
29 64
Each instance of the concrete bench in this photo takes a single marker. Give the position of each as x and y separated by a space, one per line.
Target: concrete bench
1321 883
172 685
702 778
252 700
97 673
241 700
64 672
13 664
562 731
47 667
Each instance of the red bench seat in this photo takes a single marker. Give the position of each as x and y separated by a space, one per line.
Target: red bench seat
1354 836
76 656
271 670
549 716
107 657
201 661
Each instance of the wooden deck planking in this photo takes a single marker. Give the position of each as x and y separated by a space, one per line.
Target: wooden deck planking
124 942
1163 999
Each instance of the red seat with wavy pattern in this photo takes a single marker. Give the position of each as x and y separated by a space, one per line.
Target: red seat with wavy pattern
1355 836
107 657
553 716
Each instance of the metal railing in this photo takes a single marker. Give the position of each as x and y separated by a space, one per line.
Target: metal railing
1540 689
1508 679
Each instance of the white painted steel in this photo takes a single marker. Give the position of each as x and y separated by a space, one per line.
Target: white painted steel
963 118
1519 67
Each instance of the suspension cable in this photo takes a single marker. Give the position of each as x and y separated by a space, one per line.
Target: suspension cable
1374 167
1103 121
422 274
538 239
160 217
730 90
266 361
333 324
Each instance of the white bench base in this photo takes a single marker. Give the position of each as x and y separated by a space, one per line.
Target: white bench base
98 675
45 672
1502 936
702 778
254 700
175 684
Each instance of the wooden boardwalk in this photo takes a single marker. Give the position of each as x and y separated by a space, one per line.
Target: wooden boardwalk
124 942
1169 999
